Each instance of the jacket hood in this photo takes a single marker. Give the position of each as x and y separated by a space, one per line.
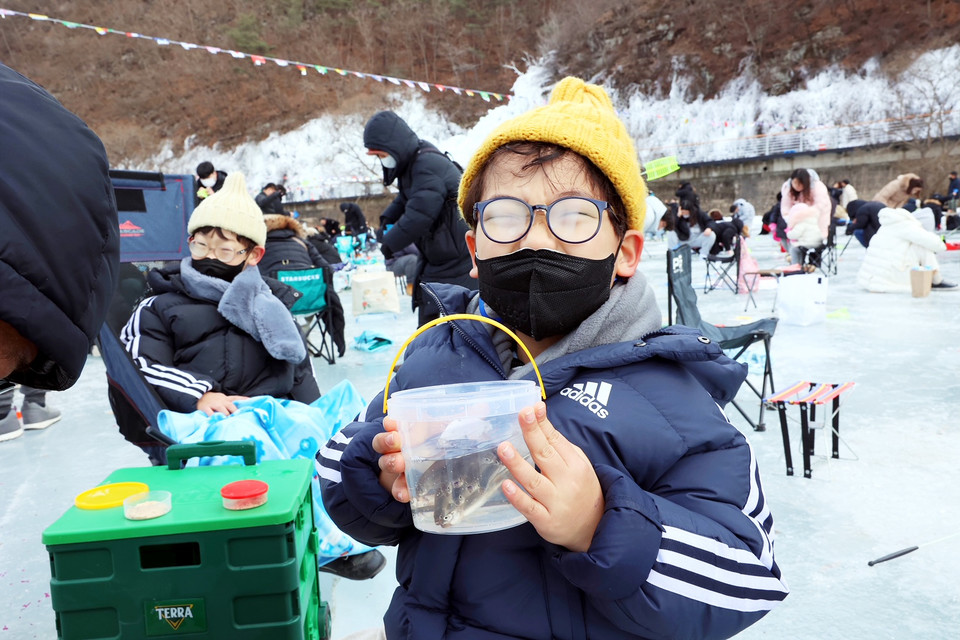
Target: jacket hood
59 241
276 221
890 216
386 131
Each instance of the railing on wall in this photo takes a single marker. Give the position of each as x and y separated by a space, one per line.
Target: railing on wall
861 134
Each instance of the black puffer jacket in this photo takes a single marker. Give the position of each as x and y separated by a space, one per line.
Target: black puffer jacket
184 348
353 219
425 211
59 239
288 250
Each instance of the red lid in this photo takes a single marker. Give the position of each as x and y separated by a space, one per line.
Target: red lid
244 489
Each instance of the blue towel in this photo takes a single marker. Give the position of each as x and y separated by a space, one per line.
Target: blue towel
281 430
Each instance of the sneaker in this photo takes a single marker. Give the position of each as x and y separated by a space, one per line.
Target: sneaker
38 416
362 566
944 285
10 426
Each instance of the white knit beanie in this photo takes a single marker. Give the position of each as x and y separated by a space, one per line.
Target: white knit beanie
232 209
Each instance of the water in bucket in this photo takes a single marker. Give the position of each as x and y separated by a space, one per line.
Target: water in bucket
450 435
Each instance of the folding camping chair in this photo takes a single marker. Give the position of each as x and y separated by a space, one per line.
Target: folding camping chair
133 400
719 270
312 309
738 338
826 257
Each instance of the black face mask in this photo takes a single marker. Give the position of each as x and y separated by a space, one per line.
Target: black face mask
544 293
216 269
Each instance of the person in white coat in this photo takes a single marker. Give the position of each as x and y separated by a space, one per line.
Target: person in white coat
899 245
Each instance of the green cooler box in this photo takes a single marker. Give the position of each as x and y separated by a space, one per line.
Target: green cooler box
201 571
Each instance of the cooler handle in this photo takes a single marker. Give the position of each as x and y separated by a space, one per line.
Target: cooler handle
179 453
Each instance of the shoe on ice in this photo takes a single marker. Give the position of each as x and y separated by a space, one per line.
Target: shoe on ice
10 426
944 284
362 566
38 416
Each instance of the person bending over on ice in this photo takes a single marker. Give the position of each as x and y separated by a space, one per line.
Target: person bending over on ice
645 519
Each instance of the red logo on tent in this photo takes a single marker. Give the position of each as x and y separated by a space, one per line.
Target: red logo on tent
130 230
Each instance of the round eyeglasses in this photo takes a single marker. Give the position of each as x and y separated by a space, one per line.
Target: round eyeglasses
200 250
573 219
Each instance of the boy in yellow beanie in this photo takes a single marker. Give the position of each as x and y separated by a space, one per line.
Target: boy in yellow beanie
646 518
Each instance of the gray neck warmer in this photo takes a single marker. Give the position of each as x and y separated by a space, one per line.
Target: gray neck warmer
630 313
248 304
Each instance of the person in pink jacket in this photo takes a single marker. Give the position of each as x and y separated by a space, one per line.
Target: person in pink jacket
805 187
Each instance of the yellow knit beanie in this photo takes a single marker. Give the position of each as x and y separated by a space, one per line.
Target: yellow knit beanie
232 209
579 117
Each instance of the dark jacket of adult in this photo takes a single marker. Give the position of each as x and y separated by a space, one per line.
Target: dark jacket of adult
287 249
865 215
271 203
697 217
322 242
686 192
185 348
353 219
221 178
675 555
727 232
425 210
59 243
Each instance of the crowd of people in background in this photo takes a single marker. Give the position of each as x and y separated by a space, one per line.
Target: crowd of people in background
898 226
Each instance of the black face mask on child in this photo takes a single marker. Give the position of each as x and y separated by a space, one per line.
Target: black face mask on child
216 269
544 293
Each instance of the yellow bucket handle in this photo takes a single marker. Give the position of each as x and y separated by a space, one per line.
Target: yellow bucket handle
459 316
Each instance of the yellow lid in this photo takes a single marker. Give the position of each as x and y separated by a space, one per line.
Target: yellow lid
109 495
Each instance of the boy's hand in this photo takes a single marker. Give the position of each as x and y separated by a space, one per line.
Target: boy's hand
565 502
215 402
392 477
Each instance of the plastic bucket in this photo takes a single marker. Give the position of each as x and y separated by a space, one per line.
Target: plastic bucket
449 438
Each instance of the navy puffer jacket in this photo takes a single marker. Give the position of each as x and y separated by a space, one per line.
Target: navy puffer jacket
184 348
684 548
59 239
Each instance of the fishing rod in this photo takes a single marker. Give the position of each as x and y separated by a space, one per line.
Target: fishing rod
903 552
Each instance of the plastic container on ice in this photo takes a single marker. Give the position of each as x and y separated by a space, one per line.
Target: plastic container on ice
450 435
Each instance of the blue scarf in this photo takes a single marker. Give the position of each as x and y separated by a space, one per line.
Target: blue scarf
248 304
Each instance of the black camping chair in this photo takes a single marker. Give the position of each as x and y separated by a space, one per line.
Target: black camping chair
135 403
828 258
719 269
312 310
738 338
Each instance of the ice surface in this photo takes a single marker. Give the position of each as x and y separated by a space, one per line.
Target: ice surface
895 485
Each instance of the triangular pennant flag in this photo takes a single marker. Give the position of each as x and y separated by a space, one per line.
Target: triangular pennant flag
424 86
162 42
100 30
321 70
302 69
258 60
281 63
